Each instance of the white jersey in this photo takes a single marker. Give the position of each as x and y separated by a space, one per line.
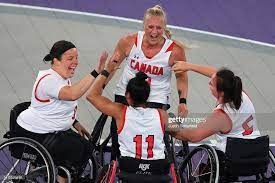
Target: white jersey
47 113
157 68
244 123
141 135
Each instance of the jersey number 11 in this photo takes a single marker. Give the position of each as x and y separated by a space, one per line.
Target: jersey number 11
150 141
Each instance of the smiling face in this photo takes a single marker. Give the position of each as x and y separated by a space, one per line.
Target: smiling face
154 27
68 63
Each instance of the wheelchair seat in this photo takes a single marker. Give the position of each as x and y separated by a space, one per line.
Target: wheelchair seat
246 157
127 169
138 170
133 170
14 113
144 167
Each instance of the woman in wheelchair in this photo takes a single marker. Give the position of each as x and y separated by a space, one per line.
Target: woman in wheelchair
140 129
53 109
234 115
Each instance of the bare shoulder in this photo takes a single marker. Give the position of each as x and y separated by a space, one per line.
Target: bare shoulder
126 43
118 109
128 39
178 44
178 47
178 53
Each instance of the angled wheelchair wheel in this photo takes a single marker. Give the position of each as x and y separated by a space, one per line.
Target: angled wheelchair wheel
270 173
107 174
91 170
201 165
180 150
25 160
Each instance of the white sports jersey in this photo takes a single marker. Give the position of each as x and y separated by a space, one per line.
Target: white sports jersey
141 135
244 123
47 113
157 68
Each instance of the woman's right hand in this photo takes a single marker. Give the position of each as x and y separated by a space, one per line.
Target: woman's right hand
113 64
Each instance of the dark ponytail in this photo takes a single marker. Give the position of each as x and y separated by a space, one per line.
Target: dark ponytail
138 88
48 58
57 50
231 86
237 92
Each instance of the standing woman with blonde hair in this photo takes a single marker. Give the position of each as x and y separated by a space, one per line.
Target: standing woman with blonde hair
153 52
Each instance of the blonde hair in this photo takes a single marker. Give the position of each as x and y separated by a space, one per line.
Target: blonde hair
157 10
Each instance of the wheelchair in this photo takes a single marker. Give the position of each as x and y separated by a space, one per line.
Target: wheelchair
125 169
24 159
245 160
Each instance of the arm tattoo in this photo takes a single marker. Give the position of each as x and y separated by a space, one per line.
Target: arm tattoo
179 92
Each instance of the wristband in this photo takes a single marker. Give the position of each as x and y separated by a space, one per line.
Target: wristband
75 121
105 73
94 73
182 100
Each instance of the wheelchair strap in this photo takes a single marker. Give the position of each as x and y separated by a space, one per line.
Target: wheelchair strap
168 147
98 128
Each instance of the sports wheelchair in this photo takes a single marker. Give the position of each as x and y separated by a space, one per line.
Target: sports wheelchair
25 160
125 169
245 160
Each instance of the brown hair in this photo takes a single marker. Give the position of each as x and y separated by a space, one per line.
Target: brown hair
231 85
57 50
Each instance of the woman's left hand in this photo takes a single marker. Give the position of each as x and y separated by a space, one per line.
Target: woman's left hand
102 61
182 110
81 130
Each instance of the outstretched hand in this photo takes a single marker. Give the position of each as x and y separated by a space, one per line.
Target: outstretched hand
112 64
102 60
180 67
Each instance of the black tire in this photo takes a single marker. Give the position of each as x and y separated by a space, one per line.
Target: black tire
91 170
25 160
201 165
